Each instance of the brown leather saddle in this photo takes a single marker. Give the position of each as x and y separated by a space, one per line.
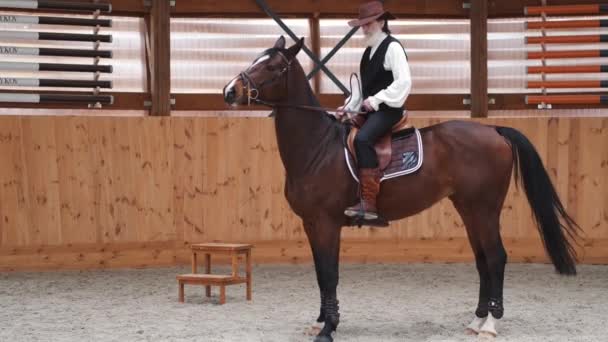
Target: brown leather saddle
383 146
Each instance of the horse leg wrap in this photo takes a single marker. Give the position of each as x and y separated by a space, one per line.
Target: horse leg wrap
496 308
332 315
321 317
482 311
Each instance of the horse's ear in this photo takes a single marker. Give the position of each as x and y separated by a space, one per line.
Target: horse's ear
280 44
294 50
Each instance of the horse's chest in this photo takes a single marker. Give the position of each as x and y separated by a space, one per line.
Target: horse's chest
302 195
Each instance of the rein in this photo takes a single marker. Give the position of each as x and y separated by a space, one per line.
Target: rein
253 92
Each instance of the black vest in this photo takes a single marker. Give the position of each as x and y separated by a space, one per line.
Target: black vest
374 77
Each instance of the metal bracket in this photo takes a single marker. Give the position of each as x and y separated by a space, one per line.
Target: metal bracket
148 103
545 106
310 54
467 101
148 3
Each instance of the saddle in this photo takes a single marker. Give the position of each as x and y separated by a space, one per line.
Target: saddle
383 146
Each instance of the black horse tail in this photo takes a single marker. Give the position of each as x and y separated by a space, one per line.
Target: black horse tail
545 203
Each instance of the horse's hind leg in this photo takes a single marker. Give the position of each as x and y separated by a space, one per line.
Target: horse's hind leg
482 224
496 260
467 215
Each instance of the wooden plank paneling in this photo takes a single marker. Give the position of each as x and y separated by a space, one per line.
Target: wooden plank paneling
76 181
89 192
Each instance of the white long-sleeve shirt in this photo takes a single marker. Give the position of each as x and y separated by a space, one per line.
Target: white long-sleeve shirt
395 61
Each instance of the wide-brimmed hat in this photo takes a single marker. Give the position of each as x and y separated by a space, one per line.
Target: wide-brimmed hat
369 12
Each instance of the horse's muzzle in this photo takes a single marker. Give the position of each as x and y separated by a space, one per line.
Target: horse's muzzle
229 95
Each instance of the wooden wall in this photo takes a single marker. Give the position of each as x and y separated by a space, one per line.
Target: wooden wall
95 192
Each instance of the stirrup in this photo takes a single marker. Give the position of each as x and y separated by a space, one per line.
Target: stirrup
360 222
360 214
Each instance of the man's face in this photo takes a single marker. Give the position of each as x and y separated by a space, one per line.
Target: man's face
373 27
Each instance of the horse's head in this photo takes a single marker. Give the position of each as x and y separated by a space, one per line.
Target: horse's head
266 79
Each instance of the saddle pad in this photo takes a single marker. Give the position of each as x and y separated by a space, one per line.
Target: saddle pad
406 156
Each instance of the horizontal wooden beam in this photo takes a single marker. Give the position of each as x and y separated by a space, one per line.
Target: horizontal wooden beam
348 8
326 9
515 8
566 10
306 8
518 101
215 102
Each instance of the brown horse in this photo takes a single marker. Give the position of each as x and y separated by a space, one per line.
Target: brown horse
467 162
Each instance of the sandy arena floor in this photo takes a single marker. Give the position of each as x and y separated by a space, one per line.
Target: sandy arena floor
421 302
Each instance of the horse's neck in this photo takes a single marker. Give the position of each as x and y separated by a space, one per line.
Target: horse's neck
302 133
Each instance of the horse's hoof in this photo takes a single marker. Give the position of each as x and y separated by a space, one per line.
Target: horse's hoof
313 331
470 331
475 326
323 339
486 336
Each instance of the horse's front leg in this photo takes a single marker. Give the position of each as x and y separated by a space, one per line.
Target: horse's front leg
324 237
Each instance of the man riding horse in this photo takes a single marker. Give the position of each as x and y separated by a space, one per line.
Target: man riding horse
386 84
480 157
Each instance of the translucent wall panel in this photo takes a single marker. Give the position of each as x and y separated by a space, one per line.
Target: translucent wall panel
207 53
438 52
128 47
507 55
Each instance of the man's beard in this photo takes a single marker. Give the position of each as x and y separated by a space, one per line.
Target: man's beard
368 39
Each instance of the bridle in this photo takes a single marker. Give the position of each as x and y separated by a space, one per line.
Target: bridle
253 90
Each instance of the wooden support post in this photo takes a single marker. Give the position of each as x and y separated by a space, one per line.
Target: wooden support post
160 57
181 292
315 38
194 263
248 274
208 271
222 294
479 58
235 265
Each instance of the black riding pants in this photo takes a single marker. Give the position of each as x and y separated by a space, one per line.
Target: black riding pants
377 124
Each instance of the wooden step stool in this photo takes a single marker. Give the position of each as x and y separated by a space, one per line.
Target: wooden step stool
208 279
